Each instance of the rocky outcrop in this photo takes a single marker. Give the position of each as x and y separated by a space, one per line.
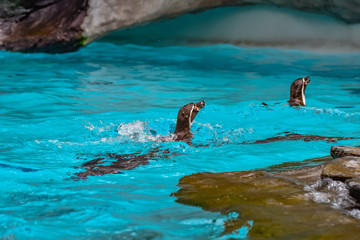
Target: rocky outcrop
277 206
108 15
42 25
342 169
345 168
342 151
287 201
65 25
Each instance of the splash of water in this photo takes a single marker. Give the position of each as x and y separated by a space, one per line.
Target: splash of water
334 193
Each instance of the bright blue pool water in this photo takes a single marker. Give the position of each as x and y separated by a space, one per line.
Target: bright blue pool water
59 111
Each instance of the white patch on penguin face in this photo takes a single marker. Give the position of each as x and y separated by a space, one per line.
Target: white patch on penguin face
303 91
190 122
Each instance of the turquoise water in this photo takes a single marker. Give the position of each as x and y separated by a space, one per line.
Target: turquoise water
59 111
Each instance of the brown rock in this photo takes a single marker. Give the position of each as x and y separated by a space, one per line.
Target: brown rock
342 151
342 169
277 205
44 26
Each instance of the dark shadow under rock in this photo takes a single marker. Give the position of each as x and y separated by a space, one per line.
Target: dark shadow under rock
354 188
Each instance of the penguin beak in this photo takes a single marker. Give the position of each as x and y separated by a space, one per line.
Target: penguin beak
196 109
307 80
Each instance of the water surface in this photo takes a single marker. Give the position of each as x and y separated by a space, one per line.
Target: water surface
59 111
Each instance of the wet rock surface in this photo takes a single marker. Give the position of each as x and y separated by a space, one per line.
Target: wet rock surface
296 200
342 169
66 25
342 151
346 168
278 206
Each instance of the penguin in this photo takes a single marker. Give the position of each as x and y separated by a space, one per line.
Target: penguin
118 162
297 92
185 118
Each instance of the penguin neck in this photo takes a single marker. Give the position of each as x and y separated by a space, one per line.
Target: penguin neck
303 100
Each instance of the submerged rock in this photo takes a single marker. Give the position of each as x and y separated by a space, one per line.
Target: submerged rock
297 137
298 200
65 25
276 204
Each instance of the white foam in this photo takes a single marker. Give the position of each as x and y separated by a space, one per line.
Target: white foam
139 131
334 193
355 213
101 129
332 112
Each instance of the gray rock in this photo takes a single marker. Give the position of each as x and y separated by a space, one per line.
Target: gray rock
108 15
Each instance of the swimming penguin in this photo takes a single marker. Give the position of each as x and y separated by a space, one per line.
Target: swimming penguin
185 119
297 92
100 166
297 98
